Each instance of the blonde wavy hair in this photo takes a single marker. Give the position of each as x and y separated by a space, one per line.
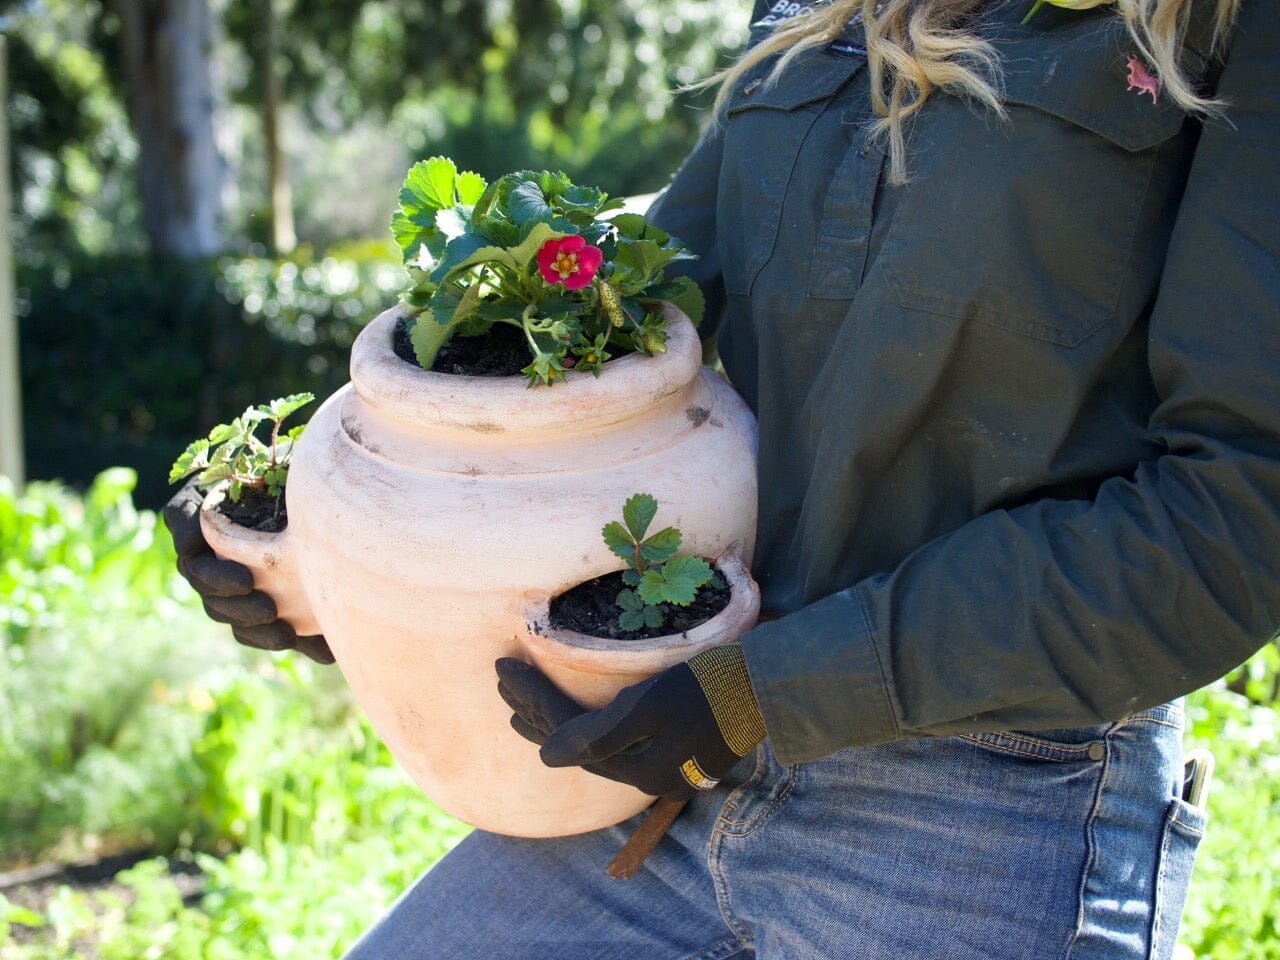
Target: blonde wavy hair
917 46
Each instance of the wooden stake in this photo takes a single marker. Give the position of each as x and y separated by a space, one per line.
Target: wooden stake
641 843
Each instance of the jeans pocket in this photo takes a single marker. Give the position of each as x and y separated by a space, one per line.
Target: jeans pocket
1183 830
1076 745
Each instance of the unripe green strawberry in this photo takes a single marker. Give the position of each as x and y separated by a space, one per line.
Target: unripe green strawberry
653 341
612 308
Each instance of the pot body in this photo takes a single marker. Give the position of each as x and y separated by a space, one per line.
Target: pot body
432 516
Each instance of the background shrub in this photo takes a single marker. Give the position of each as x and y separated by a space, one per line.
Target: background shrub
125 360
151 729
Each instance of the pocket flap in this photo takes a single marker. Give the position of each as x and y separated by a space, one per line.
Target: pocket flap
812 77
1095 79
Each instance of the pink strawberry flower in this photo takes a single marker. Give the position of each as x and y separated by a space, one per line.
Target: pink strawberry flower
570 261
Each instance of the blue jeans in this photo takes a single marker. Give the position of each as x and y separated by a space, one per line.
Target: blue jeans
1058 844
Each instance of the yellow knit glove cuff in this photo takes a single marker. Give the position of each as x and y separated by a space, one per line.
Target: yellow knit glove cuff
722 673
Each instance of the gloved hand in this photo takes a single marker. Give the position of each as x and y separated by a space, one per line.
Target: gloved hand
670 735
226 587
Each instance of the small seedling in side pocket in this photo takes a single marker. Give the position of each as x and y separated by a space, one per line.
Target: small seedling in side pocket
655 574
233 451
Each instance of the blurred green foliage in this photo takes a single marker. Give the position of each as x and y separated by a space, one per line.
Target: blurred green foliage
65 555
124 359
71 151
97 634
579 85
583 85
1233 909
152 729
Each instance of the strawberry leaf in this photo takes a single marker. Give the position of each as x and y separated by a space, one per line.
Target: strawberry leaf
676 581
638 512
618 540
428 186
652 587
683 293
683 576
221 433
451 221
652 617
661 545
449 306
461 253
630 226
528 204
195 457
470 187
286 406
631 620
413 233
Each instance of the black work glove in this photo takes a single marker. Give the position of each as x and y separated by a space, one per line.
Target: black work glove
675 733
226 587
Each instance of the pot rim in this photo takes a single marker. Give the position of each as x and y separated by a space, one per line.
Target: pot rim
227 528
501 406
591 654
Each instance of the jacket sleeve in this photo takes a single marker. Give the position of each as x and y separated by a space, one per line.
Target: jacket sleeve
1066 613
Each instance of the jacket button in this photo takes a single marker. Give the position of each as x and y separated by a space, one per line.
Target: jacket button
751 86
1097 751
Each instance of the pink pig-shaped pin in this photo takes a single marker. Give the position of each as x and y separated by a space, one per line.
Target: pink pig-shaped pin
1142 80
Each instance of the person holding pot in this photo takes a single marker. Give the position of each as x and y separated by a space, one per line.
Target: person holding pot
1001 281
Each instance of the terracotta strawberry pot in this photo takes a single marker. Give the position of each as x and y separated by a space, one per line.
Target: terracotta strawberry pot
433 516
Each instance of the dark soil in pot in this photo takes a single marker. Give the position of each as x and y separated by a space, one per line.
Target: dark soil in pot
502 351
591 608
257 510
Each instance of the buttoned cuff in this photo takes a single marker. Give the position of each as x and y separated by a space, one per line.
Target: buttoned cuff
819 680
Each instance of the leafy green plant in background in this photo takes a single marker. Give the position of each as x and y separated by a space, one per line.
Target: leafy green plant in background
101 645
65 556
315 830
288 902
128 719
125 359
1233 908
313 298
71 146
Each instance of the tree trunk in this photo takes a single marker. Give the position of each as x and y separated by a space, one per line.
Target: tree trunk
11 462
165 51
283 237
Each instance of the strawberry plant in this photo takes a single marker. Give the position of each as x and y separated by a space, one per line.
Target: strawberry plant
655 574
581 279
234 452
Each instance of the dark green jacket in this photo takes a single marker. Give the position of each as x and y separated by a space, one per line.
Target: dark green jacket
1019 418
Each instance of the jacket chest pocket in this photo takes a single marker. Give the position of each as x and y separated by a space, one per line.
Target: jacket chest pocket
766 126
1029 224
